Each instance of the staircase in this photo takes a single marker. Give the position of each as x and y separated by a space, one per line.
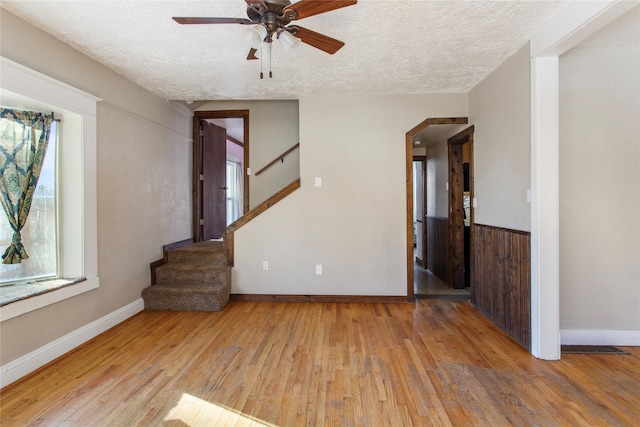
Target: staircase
196 277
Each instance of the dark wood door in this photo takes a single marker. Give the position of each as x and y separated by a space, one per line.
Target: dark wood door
214 180
456 216
457 228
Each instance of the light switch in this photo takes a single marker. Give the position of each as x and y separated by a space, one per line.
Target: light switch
318 269
248 171
318 181
446 185
475 202
265 265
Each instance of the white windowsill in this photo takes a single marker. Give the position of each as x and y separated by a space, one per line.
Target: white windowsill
36 302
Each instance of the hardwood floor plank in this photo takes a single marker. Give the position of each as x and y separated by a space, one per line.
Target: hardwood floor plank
316 364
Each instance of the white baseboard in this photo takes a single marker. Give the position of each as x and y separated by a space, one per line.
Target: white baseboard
28 363
599 337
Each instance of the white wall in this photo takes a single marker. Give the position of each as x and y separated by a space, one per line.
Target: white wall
143 188
600 191
355 224
437 178
418 207
273 129
499 107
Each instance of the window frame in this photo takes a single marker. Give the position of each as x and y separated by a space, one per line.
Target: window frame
78 244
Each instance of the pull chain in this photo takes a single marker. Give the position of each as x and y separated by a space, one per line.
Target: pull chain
270 74
261 63
261 58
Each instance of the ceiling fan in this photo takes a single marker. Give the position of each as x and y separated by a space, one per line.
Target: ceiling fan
271 18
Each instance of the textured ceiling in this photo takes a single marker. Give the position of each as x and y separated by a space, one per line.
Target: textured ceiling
392 46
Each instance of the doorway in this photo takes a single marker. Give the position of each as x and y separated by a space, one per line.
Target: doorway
220 181
436 226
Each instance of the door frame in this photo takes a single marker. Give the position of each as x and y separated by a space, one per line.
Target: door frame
409 189
196 185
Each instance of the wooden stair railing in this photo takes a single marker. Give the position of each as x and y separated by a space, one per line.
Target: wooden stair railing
228 234
280 157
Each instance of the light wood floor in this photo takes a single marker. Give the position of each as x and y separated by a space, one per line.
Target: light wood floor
428 285
294 364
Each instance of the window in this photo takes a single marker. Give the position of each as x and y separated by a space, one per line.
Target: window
39 234
234 191
75 188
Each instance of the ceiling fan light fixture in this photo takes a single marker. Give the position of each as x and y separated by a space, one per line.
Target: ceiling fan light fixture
256 35
288 41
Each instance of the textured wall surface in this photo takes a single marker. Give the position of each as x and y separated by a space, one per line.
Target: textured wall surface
143 188
500 110
600 187
355 224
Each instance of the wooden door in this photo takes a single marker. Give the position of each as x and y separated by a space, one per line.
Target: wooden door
456 216
456 208
214 181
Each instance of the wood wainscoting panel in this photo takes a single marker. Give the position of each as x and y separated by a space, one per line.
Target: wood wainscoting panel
438 247
502 288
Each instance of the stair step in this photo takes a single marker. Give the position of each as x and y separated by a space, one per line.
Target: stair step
189 273
211 252
196 277
181 297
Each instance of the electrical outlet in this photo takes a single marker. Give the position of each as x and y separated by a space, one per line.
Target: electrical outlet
265 265
319 269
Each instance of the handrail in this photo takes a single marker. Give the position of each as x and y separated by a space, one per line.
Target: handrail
231 228
280 157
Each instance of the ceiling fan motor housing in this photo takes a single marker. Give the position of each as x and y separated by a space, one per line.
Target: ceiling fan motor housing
273 18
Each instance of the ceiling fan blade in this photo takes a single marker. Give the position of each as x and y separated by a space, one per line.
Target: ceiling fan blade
306 8
252 54
189 20
317 40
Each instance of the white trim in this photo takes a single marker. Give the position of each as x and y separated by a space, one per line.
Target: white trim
600 337
25 81
575 23
181 108
28 363
545 210
26 305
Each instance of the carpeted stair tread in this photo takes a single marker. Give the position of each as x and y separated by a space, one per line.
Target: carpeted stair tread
212 252
186 273
196 277
181 297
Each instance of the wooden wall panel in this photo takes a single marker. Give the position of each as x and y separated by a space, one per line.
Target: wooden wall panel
502 289
438 247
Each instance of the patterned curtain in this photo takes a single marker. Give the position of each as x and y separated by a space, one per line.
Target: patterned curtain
24 136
